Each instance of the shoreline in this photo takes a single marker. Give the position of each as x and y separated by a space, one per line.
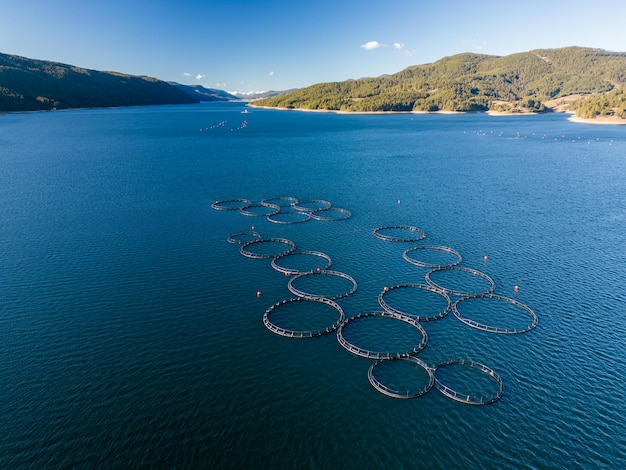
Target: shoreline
573 118
510 113
335 111
605 120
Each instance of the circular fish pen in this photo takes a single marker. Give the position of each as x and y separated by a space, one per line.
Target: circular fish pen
433 251
312 205
378 354
246 248
436 296
311 262
406 392
230 204
399 233
324 278
294 217
495 382
302 304
479 280
331 214
257 210
281 201
394 336
498 299
241 238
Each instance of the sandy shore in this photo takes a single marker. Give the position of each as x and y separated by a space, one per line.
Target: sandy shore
606 120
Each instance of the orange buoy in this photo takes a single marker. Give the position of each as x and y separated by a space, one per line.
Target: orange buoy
516 288
258 293
319 270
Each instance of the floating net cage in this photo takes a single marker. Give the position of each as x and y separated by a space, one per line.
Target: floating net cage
394 336
258 210
241 238
432 256
399 233
230 204
267 248
457 280
312 205
322 284
417 301
285 209
291 217
468 382
303 318
281 201
403 377
382 335
331 214
495 314
300 262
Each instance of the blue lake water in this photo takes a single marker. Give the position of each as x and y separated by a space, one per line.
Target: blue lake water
132 333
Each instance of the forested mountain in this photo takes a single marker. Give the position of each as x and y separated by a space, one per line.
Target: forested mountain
30 85
524 82
474 82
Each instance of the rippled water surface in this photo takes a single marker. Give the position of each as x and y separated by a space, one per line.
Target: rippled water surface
132 331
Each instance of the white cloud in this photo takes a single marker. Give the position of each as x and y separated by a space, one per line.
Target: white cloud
187 74
200 76
474 45
368 46
398 46
271 74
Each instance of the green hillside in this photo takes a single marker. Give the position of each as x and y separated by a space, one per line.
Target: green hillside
521 82
31 85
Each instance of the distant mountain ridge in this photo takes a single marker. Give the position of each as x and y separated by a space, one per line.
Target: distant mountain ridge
522 82
32 85
201 93
257 95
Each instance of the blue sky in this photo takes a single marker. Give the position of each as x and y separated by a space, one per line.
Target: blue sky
246 45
